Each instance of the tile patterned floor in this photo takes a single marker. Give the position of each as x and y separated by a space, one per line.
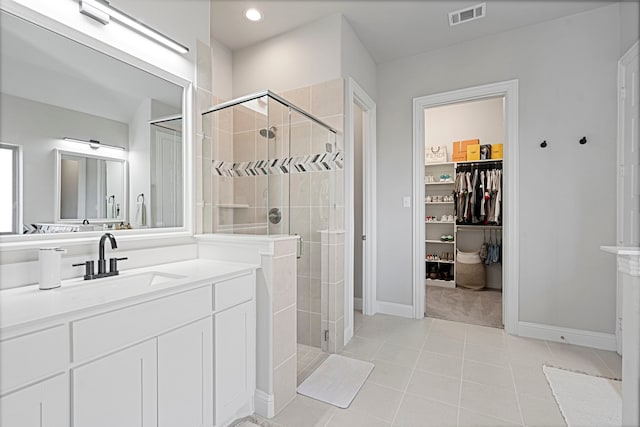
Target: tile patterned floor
434 372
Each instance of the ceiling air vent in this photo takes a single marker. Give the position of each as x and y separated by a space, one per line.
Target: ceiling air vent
467 14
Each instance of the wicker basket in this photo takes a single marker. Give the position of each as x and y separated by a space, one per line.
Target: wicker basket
470 271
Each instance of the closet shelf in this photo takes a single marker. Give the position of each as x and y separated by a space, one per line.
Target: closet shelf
439 222
466 162
440 183
438 241
440 261
438 203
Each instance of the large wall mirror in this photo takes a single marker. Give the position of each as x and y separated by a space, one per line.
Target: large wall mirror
87 142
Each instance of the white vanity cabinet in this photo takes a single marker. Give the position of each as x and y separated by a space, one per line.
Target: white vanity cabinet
182 357
33 382
117 390
43 404
235 347
185 376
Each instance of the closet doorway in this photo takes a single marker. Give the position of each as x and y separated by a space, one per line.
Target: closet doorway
452 232
463 207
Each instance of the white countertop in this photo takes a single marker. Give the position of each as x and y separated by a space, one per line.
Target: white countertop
24 305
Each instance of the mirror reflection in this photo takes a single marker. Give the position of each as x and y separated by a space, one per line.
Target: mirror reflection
87 137
91 188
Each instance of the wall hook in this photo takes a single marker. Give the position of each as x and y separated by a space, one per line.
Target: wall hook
583 140
543 144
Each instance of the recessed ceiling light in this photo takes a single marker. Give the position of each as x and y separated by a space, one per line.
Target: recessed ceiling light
253 14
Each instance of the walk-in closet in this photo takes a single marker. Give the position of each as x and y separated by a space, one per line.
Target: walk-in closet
464 216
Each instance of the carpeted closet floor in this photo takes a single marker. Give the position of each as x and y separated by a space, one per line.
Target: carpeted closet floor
462 305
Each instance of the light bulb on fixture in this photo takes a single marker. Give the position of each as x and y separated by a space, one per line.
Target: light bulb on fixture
253 14
93 143
103 12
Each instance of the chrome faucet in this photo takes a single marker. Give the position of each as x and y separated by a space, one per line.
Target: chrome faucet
102 262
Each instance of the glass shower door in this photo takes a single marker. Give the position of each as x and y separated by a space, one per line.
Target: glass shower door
310 182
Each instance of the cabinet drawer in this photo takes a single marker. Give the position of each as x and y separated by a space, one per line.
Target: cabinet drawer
31 357
99 334
234 291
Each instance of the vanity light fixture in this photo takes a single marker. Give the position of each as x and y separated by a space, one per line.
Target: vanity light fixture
101 11
253 14
93 143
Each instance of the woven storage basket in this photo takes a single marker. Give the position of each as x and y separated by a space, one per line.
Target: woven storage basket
470 270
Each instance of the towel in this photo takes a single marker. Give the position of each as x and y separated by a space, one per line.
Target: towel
110 208
141 214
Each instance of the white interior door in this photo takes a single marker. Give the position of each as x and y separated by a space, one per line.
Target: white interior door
629 166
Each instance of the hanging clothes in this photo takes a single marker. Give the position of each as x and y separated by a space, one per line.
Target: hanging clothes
478 193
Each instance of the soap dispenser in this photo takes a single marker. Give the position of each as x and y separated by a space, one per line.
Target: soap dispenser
49 262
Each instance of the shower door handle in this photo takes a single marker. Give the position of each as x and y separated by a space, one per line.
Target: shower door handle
300 246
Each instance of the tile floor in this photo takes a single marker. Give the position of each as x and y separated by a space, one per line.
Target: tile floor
434 372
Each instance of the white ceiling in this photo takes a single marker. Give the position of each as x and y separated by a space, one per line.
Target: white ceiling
388 29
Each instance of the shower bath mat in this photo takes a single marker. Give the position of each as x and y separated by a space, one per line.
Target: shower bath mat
585 400
337 381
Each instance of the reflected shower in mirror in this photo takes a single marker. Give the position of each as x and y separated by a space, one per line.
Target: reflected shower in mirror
54 88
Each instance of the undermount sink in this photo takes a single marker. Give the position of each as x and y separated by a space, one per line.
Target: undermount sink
123 281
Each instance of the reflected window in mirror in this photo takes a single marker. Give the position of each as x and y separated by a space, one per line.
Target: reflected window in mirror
10 179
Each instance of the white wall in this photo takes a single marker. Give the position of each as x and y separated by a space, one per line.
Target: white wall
39 128
298 58
567 79
357 61
482 120
222 68
357 200
629 24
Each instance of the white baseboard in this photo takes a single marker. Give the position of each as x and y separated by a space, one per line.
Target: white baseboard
394 309
567 335
357 303
264 403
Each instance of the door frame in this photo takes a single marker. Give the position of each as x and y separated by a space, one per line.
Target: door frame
355 94
508 89
628 58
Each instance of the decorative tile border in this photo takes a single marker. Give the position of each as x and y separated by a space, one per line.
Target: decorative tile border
298 164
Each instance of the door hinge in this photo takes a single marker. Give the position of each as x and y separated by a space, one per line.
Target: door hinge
326 335
364 238
623 92
621 171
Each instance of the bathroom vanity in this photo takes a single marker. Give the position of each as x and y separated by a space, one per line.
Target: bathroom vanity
157 346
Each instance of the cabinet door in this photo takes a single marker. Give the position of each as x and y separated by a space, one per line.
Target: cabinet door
117 390
40 405
234 359
185 376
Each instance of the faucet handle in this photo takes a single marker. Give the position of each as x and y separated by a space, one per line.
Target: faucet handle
88 269
113 265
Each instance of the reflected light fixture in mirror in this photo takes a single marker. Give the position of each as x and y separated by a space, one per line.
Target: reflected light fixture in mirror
93 143
103 12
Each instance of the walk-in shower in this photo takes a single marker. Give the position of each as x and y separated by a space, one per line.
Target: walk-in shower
271 168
